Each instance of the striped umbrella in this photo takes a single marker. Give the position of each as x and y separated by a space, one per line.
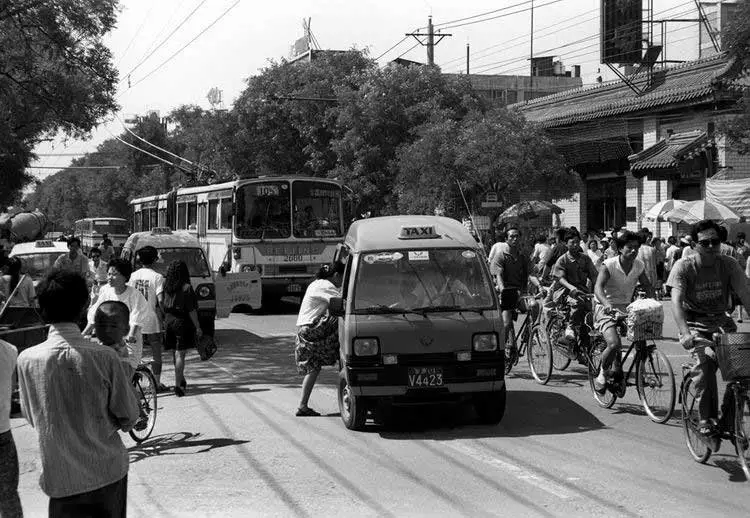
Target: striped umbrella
695 211
657 212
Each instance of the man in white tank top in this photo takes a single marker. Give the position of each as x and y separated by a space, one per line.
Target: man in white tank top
618 277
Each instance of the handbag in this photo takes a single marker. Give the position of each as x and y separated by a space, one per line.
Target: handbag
206 347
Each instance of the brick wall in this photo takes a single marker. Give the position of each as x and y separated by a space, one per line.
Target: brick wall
574 208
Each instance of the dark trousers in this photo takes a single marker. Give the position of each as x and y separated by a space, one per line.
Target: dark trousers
106 502
10 503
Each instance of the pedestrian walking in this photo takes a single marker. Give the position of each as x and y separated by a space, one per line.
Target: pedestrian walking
10 503
74 261
77 396
182 329
108 251
317 342
594 253
97 271
151 285
118 274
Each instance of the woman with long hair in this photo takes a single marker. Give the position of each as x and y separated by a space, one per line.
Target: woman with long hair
317 342
25 295
181 326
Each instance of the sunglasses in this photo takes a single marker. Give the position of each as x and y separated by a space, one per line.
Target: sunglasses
705 243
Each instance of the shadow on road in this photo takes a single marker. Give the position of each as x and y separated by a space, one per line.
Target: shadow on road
527 413
166 444
731 466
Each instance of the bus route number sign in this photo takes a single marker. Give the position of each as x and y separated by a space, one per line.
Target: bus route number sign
267 190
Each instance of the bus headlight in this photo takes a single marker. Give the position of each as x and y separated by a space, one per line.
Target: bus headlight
248 268
366 346
484 342
204 291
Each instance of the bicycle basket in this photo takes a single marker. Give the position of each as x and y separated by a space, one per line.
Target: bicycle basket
733 355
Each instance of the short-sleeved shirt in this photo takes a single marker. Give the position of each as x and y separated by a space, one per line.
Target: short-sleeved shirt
515 269
620 286
706 289
497 248
180 303
24 296
575 270
647 254
78 265
315 302
98 273
8 354
556 253
150 284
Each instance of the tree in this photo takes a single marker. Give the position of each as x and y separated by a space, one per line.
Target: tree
56 74
204 137
736 42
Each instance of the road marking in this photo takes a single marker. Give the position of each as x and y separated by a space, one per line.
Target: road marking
520 473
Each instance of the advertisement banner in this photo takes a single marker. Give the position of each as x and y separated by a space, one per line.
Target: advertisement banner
621 31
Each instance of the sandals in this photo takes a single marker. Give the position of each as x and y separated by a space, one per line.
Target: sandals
161 387
306 412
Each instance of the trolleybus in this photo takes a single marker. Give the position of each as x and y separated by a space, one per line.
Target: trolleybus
91 231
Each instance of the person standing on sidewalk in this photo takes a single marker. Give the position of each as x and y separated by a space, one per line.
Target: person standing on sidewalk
151 285
10 503
75 393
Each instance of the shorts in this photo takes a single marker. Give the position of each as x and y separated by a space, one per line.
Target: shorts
602 320
317 345
509 299
179 334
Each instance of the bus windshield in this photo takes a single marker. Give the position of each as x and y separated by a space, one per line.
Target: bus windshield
110 226
421 280
263 211
193 257
317 209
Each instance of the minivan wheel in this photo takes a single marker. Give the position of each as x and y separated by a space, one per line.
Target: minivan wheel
352 408
490 406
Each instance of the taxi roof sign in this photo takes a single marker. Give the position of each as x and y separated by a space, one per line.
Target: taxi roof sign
418 232
44 243
161 230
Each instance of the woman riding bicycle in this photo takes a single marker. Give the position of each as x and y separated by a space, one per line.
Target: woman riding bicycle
701 285
614 289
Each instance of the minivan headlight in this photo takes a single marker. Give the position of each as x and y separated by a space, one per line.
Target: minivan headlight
366 346
484 342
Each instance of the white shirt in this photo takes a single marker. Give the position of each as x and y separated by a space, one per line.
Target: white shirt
315 302
8 355
151 284
139 310
98 273
495 250
620 286
596 257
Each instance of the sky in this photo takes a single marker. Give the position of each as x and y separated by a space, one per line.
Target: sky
172 52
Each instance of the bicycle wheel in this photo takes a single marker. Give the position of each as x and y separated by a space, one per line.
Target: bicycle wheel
742 431
511 352
555 330
607 399
655 384
145 387
539 355
690 418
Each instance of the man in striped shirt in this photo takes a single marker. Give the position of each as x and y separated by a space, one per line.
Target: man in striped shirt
77 396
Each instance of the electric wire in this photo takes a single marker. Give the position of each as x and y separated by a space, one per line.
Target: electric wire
480 15
502 15
222 15
393 47
135 35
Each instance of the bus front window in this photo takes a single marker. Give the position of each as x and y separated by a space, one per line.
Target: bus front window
263 211
317 209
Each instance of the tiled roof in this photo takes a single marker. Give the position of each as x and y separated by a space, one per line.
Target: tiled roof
669 152
689 83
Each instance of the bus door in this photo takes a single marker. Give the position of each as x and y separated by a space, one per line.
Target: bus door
237 289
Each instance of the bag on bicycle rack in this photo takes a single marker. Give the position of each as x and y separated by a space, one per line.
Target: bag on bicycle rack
206 347
733 355
645 320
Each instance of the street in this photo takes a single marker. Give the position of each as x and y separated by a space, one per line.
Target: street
233 447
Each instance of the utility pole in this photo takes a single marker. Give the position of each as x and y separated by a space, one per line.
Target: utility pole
467 59
531 54
430 40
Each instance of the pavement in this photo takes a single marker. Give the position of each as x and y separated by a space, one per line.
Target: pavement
232 447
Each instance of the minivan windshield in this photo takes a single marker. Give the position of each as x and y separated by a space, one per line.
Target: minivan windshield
193 257
421 280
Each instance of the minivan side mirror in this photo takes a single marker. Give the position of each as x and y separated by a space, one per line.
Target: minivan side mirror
336 307
223 270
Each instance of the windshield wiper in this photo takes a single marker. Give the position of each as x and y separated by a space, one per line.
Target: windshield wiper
428 309
382 308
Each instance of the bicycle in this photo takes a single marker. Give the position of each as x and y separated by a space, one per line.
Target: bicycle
145 388
557 323
733 357
529 337
654 376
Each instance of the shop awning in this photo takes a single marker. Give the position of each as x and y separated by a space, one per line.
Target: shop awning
735 194
670 155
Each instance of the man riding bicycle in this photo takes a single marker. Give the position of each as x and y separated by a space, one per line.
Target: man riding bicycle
701 285
511 268
572 271
615 285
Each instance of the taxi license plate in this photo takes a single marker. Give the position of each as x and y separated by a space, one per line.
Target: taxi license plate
425 377
294 288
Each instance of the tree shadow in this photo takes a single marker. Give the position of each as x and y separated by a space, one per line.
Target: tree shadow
160 445
527 413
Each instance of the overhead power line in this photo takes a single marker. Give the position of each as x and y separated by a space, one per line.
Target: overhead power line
393 47
501 15
481 14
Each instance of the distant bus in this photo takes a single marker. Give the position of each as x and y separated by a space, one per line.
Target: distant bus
91 231
284 227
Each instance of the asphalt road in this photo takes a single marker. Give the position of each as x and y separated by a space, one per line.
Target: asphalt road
233 447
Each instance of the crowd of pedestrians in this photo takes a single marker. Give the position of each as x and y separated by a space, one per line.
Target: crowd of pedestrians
76 387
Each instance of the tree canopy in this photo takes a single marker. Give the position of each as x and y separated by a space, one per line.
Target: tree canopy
55 75
736 42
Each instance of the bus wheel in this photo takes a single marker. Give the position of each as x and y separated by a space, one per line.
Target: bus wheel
490 406
352 408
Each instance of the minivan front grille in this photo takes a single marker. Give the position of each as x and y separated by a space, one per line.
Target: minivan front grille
292 268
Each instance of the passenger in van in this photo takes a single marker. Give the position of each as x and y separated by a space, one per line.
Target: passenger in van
317 342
